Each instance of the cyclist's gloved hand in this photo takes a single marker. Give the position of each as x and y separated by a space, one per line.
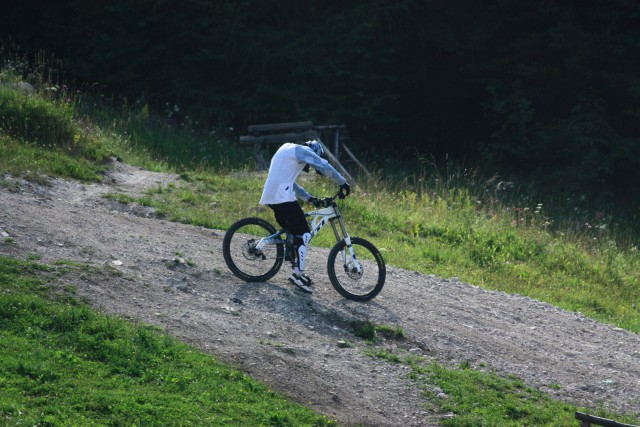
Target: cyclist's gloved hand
344 191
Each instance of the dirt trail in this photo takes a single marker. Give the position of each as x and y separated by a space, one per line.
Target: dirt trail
290 339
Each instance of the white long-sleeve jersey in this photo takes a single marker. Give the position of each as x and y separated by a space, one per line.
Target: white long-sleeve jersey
286 164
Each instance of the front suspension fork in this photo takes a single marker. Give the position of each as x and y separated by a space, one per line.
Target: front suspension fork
348 254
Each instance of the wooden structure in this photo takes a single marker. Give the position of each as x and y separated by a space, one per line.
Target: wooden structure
587 420
332 138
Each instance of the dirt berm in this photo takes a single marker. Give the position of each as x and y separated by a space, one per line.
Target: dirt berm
293 340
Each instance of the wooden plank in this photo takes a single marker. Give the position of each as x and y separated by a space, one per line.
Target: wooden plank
587 420
321 127
297 136
247 140
279 126
278 138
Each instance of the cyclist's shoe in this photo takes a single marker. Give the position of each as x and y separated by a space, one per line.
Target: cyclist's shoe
303 282
307 279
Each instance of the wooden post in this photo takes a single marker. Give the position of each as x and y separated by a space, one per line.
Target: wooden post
360 165
337 164
263 164
336 143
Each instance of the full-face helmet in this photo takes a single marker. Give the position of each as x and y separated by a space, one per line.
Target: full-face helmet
316 147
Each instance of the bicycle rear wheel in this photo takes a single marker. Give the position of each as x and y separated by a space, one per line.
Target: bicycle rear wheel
238 249
347 280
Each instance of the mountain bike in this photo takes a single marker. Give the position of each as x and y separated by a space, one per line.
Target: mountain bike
254 251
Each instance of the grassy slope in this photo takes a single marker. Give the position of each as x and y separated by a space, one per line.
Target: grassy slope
442 230
63 364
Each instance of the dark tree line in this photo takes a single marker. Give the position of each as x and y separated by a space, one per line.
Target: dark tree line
547 91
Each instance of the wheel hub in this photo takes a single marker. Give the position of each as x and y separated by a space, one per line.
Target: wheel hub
352 271
250 252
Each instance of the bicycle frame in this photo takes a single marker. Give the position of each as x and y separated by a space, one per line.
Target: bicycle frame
320 218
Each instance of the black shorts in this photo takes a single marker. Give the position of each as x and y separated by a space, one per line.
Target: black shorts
291 217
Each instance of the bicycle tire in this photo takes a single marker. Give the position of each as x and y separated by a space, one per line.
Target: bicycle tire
245 264
349 284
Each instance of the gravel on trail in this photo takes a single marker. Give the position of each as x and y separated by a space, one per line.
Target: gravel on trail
174 276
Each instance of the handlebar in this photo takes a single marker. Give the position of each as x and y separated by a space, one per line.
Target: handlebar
327 201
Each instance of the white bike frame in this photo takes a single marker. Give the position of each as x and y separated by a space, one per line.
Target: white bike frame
320 218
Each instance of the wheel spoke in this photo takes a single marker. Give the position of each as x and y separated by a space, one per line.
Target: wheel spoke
241 255
361 278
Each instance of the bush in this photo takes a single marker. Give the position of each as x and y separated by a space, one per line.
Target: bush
49 124
31 118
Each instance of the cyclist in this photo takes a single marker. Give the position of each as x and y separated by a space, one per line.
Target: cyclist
280 192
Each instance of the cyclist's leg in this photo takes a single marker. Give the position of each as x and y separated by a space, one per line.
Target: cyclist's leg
301 245
295 222
279 211
299 228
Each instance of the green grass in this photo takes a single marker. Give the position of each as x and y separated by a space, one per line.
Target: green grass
475 398
490 247
64 364
464 396
370 332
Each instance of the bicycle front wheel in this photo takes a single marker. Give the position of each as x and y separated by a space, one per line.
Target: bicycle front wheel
351 283
241 256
